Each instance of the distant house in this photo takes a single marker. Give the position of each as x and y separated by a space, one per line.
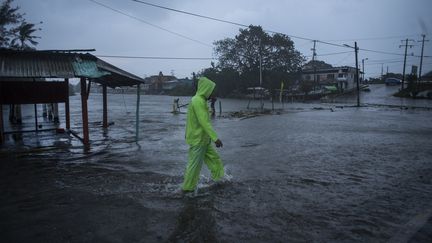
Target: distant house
159 83
343 78
186 81
169 85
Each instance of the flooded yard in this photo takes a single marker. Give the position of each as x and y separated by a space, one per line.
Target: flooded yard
309 172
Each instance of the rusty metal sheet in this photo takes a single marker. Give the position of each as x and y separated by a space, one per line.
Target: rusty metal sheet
35 66
63 64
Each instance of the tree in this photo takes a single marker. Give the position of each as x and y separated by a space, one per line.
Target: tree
242 55
306 87
8 17
24 33
225 79
318 65
15 32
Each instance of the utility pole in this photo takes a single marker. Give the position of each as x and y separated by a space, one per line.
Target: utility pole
421 58
260 66
382 70
357 71
363 68
357 75
313 63
403 74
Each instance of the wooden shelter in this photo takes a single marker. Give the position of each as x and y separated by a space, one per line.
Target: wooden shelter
21 72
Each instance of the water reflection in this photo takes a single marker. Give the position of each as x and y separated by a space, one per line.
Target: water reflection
311 172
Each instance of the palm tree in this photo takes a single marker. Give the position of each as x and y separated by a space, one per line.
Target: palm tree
8 17
24 34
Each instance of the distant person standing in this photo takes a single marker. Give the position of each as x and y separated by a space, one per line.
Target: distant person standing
176 107
199 136
212 105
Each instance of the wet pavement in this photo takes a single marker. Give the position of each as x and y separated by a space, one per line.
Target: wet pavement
308 172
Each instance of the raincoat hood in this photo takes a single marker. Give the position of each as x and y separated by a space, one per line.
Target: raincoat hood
205 87
199 130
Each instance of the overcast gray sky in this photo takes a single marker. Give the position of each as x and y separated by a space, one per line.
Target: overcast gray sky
378 25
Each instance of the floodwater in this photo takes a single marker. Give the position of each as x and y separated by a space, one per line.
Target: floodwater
308 172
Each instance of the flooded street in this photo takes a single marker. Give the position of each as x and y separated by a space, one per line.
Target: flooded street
308 172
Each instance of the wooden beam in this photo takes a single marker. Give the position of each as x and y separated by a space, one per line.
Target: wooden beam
1 124
67 111
36 117
88 89
137 113
105 106
84 111
35 112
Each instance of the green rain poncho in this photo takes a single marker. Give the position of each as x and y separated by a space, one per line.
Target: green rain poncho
199 136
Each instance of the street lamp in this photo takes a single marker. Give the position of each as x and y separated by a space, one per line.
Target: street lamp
357 74
363 68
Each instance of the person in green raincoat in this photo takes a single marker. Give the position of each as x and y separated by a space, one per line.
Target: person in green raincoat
200 136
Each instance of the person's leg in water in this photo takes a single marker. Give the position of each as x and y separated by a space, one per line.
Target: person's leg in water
214 163
196 157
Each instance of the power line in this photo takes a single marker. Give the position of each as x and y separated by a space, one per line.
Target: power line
189 13
378 38
383 60
335 53
148 23
379 63
330 54
331 44
271 31
382 52
343 59
157 58
391 53
230 22
233 23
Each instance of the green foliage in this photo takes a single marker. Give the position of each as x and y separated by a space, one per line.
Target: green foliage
183 90
8 17
317 65
225 79
24 34
242 53
306 86
239 61
15 32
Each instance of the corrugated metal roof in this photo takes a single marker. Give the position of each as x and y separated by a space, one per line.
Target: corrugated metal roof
58 64
87 69
118 76
26 65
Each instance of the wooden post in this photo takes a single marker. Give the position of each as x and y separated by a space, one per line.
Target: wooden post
1 124
84 111
67 111
137 113
36 117
105 106
35 113
272 103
